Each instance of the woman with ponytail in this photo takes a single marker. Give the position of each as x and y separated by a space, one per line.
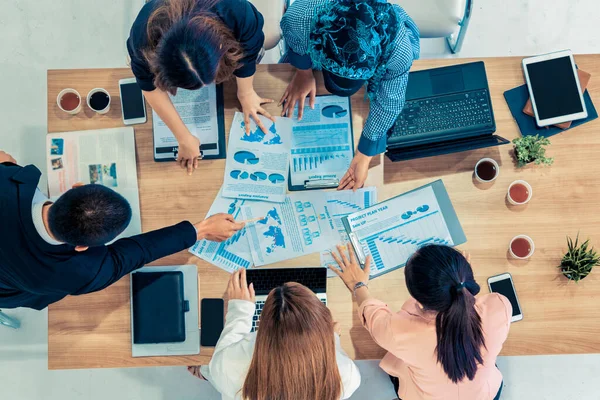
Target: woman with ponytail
355 43
444 342
188 44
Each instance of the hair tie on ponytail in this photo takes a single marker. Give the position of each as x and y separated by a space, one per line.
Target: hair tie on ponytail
459 287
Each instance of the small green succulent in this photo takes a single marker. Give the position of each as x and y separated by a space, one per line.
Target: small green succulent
579 260
531 149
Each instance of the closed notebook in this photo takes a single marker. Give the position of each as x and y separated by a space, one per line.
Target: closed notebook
158 307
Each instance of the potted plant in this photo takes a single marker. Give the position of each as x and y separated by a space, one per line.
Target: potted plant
579 260
530 149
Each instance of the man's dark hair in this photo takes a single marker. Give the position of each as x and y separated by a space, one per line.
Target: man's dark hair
89 215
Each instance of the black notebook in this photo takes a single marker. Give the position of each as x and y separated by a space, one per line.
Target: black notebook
158 307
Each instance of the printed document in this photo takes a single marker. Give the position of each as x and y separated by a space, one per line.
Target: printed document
307 222
322 145
198 110
393 230
343 203
234 253
258 164
103 157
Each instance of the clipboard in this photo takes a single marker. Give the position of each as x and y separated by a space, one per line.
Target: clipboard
169 153
446 210
320 152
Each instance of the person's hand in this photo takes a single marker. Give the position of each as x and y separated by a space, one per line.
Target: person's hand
218 227
357 173
189 153
5 157
251 107
350 270
238 288
303 84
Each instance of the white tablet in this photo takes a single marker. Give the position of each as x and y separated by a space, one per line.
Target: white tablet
554 88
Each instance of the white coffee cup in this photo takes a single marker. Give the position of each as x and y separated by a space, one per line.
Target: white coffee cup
98 90
530 240
60 96
493 162
513 201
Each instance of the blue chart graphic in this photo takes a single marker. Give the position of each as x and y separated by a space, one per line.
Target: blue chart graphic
274 232
409 214
392 247
246 157
258 176
237 174
340 208
322 162
309 221
227 256
276 178
258 136
334 112
321 135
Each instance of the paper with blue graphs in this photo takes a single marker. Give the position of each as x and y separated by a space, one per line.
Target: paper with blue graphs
257 164
234 253
307 222
393 230
322 144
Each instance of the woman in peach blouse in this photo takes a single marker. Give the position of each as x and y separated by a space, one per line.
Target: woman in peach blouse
444 342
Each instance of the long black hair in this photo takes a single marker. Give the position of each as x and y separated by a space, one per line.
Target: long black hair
441 279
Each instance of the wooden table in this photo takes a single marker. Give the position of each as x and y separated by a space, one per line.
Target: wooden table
93 331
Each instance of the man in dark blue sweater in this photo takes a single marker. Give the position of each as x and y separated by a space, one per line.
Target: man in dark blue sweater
51 250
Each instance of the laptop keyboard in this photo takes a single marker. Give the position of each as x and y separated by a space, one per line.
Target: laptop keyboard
450 113
259 307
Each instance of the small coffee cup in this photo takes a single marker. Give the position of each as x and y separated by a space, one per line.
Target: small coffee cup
486 170
98 100
519 193
521 247
69 101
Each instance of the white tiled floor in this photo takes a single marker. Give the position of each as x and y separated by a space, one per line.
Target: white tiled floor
38 35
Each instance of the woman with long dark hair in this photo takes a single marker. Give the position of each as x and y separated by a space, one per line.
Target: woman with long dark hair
295 355
191 43
444 342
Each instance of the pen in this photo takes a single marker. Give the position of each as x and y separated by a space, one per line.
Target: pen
250 221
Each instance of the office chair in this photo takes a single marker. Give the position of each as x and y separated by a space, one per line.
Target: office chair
440 19
9 321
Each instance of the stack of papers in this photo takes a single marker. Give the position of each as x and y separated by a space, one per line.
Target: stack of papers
305 223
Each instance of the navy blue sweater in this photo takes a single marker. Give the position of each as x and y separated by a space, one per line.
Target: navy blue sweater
35 274
240 16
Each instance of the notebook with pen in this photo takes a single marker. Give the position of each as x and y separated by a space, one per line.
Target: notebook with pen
391 231
322 144
202 112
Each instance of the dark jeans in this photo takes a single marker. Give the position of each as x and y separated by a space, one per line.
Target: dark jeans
396 383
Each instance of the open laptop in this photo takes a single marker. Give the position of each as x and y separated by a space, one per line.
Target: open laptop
267 279
447 110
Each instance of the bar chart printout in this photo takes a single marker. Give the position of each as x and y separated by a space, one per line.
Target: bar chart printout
234 253
322 145
392 231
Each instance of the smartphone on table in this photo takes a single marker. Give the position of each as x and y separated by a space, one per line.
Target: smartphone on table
133 106
211 321
504 285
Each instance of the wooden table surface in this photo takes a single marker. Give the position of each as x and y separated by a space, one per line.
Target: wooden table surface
560 317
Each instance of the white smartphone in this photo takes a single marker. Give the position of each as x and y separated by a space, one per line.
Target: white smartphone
133 106
554 88
504 285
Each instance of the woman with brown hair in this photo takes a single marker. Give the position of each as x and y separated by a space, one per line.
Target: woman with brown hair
295 355
191 43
